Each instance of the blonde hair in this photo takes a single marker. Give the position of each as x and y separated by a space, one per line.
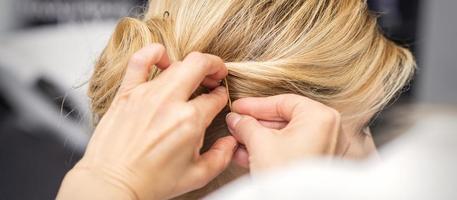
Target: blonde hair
328 50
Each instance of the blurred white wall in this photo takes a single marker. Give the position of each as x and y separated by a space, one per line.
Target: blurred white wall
438 44
63 54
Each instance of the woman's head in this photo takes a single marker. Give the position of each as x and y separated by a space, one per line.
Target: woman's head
328 50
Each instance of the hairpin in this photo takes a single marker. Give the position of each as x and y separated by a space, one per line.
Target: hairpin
166 14
228 94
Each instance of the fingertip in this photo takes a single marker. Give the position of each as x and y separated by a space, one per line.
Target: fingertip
210 105
241 157
229 142
221 93
232 120
152 54
156 47
218 157
138 60
230 146
222 71
140 63
163 59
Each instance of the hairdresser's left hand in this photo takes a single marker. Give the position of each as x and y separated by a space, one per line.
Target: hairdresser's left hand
147 145
282 129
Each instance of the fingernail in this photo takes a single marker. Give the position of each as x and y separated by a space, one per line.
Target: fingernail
232 120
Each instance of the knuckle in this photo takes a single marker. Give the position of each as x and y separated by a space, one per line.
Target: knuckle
159 47
331 116
188 128
187 120
138 59
195 55
120 99
158 50
124 96
198 58
187 114
139 92
131 97
201 179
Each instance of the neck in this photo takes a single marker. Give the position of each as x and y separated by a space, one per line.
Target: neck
362 143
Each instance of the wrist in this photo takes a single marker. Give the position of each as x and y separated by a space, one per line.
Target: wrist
83 183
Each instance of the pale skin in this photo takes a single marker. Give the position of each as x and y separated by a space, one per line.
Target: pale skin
147 145
297 127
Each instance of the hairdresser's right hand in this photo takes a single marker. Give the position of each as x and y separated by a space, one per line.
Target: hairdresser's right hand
279 130
147 145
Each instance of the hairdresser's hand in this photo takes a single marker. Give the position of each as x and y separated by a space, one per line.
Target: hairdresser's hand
147 145
281 129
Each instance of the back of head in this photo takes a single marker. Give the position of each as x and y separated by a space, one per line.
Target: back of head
328 50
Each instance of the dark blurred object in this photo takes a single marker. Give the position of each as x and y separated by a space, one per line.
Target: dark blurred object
436 85
53 94
32 163
399 20
37 144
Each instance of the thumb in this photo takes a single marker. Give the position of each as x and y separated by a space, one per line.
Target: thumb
245 128
140 63
214 161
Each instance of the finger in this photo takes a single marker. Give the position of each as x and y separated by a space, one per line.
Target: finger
184 78
273 124
211 83
140 64
215 160
276 108
209 105
245 128
241 157
343 144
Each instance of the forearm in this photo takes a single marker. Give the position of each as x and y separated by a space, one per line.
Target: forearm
84 184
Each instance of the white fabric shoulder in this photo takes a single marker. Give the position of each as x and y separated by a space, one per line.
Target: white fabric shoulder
421 165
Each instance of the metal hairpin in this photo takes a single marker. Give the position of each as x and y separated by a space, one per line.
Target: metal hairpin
228 94
166 14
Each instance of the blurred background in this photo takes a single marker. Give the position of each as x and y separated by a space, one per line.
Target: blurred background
48 47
